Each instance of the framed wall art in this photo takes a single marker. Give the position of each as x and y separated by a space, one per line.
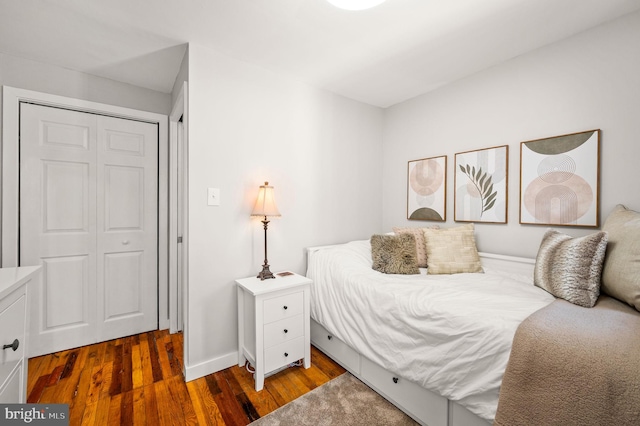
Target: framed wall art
427 189
481 178
559 180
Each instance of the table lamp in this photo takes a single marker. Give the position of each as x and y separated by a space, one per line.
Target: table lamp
265 207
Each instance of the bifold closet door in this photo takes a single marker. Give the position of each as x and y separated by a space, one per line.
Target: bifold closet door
88 215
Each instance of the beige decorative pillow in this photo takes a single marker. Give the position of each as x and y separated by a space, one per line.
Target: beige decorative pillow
452 250
394 254
621 273
421 247
570 268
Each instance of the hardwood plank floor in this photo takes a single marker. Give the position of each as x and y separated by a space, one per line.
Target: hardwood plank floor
138 380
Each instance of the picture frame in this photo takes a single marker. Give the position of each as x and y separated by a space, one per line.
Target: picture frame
481 185
427 189
560 180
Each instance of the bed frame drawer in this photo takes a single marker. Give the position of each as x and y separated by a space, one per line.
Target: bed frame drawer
337 349
460 416
416 401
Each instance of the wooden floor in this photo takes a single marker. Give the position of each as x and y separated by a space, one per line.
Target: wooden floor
138 380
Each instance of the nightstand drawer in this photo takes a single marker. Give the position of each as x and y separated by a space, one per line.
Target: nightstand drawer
11 391
280 331
281 307
283 354
12 327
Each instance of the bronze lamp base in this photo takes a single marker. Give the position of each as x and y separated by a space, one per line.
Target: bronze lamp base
265 273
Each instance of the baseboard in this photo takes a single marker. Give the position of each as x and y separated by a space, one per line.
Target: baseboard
192 372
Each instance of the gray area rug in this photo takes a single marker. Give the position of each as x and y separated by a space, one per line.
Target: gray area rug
344 400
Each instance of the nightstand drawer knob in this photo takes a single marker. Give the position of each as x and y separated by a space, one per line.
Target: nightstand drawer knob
286 354
13 346
285 307
286 331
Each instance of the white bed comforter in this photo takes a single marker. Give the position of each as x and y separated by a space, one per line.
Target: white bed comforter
450 334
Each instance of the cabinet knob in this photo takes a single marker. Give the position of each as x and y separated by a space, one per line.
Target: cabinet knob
13 346
329 337
285 307
286 354
286 331
395 380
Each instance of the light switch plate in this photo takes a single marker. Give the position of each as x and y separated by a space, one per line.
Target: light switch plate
213 196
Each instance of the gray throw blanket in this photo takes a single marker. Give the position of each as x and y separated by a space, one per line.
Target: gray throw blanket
571 365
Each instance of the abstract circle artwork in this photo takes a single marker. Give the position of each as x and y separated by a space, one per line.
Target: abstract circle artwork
559 180
426 189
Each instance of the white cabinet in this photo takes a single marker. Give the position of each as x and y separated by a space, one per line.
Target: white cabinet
273 323
13 333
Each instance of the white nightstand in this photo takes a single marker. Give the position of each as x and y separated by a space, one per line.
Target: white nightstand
273 323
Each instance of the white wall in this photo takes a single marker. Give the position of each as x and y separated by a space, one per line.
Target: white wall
183 75
46 78
590 81
321 152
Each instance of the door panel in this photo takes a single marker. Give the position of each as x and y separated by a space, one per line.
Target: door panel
88 214
65 294
123 273
124 143
66 196
57 178
57 134
124 198
127 222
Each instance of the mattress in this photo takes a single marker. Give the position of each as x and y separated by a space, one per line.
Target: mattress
450 334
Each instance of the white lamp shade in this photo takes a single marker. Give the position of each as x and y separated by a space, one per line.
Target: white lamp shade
355 4
265 204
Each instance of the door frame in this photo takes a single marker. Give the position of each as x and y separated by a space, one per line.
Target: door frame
178 285
11 99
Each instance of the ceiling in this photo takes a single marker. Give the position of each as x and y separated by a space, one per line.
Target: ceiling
381 56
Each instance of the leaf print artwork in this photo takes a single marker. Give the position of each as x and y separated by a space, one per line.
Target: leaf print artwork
483 184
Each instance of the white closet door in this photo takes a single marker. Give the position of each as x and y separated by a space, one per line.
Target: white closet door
76 197
127 227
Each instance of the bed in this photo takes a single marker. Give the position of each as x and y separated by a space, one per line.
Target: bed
434 345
